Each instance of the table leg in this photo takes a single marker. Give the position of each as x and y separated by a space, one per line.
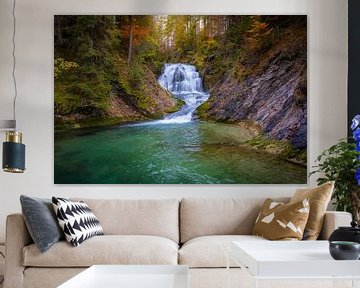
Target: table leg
228 270
255 283
355 283
337 283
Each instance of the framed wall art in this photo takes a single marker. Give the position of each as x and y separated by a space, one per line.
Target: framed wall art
180 99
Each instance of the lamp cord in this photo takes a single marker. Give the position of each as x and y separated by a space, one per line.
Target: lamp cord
14 61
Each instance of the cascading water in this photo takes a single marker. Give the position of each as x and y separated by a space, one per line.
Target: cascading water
184 82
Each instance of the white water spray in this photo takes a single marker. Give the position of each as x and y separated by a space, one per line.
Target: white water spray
184 83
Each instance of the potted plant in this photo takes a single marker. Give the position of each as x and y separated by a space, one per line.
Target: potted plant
341 163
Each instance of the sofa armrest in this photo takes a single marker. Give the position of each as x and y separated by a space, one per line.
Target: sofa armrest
333 220
17 237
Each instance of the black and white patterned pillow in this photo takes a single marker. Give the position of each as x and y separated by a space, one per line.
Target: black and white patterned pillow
77 220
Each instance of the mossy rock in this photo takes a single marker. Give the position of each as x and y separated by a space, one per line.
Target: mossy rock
281 148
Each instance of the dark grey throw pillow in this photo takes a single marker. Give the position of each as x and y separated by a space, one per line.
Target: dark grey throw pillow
41 221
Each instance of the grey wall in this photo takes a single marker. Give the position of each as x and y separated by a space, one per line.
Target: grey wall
327 84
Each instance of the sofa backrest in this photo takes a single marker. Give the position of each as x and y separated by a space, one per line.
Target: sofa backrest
159 217
200 217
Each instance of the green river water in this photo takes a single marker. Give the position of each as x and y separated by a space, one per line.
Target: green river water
156 153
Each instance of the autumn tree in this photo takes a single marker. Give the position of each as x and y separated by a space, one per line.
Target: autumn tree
134 30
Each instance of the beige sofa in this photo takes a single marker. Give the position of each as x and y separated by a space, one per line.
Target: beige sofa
194 232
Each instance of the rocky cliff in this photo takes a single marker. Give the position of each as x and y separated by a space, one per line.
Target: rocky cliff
271 91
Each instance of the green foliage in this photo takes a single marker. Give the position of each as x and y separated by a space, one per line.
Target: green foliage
136 74
339 163
61 66
206 49
149 54
202 110
64 103
238 27
179 104
94 48
88 43
133 87
81 97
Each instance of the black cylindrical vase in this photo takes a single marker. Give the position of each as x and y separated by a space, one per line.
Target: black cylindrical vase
13 153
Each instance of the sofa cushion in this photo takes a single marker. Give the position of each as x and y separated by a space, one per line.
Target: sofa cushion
200 217
211 251
279 221
107 249
319 198
41 221
76 220
158 217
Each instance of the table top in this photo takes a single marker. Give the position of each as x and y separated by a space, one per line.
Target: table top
131 276
291 259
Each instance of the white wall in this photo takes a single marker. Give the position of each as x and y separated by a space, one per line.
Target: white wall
326 78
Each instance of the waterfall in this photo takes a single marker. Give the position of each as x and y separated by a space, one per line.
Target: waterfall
184 83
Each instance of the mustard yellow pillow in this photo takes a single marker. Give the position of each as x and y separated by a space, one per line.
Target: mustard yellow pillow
279 221
319 198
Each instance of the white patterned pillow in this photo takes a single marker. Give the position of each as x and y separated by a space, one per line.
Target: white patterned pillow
77 220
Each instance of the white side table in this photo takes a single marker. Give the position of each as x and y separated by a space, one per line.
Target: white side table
308 261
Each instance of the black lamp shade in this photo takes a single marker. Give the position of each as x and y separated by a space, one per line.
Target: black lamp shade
13 157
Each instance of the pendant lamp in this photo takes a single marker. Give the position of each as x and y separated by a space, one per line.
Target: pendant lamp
13 160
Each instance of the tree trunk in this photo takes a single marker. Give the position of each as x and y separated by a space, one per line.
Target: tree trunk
130 39
58 28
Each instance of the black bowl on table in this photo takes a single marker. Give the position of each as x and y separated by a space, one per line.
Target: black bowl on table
344 250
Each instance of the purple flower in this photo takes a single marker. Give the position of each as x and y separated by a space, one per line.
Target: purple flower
357 176
355 122
355 126
356 134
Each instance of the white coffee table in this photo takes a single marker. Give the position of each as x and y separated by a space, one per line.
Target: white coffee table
292 260
131 276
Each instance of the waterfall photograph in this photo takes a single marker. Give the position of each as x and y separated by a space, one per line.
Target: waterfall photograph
180 99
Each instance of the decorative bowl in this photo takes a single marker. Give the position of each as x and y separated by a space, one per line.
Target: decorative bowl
344 250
